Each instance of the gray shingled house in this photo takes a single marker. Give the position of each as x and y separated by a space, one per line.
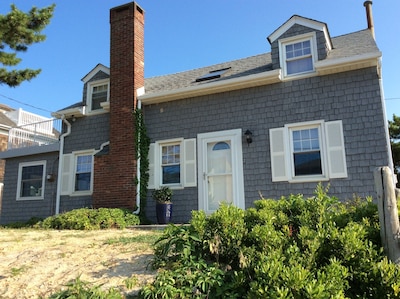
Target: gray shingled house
276 123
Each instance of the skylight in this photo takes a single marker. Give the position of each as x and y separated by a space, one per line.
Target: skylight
213 75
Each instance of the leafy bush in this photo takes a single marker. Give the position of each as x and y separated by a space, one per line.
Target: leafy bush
91 219
30 223
79 289
288 248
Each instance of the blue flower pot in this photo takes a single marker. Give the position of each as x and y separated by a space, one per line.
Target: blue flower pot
164 212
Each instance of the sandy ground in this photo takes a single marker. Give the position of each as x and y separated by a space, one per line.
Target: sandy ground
36 263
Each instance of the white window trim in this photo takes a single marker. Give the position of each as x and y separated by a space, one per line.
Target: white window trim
89 88
159 145
25 164
312 37
68 173
301 126
188 171
76 155
332 150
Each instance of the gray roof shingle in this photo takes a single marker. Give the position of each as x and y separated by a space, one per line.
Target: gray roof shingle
237 68
4 120
357 43
352 44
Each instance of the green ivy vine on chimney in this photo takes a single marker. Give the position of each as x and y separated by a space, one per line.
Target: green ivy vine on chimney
142 144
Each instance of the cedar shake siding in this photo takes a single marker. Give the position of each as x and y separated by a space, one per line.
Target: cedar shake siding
353 97
14 210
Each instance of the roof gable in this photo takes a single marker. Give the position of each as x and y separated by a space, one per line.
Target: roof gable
306 22
5 121
94 71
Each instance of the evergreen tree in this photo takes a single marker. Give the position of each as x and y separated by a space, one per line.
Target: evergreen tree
18 30
394 133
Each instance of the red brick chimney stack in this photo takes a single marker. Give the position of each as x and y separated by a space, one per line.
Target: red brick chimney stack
115 172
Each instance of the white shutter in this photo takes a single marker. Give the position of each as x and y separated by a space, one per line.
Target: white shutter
335 149
190 178
152 165
278 154
67 174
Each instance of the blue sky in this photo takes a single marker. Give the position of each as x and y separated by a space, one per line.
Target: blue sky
181 35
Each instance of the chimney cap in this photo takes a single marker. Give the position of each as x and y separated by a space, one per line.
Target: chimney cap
368 2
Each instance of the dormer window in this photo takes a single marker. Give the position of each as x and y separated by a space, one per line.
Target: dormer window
98 92
297 46
298 55
99 95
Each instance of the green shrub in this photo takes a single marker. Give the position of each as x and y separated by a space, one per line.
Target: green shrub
30 223
79 289
90 219
289 248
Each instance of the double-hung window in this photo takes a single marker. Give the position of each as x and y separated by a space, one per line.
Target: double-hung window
98 93
31 179
77 173
298 56
310 151
172 163
83 172
306 151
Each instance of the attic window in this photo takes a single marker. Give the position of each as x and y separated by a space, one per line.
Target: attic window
213 75
298 57
98 93
298 54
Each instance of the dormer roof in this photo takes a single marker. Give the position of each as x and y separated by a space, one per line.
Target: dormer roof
98 68
306 22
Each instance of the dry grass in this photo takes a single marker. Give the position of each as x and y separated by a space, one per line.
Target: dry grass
36 263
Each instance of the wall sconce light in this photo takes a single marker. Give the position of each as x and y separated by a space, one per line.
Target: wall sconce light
73 118
50 177
249 137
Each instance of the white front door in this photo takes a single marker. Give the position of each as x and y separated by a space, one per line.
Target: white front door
220 169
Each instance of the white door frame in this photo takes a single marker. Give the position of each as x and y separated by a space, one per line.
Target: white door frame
235 138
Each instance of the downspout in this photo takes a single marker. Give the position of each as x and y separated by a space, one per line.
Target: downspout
137 211
371 27
60 163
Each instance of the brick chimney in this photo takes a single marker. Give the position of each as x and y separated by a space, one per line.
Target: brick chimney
115 167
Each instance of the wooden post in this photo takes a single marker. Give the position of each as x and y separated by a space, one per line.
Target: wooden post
388 214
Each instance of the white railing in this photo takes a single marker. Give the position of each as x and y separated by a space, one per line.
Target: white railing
31 121
35 134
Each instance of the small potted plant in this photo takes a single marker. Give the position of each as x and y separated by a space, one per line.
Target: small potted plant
163 197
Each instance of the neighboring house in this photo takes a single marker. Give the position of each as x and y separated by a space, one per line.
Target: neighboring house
277 123
5 125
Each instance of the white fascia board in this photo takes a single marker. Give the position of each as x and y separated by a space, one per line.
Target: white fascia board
76 111
5 127
328 66
29 151
213 87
